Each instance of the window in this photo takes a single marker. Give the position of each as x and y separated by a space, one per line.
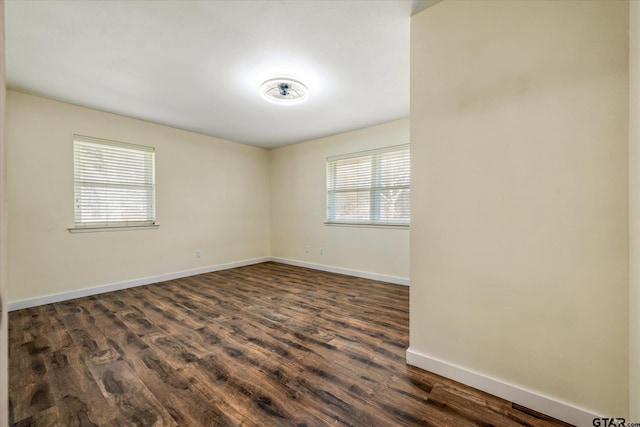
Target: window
369 188
114 184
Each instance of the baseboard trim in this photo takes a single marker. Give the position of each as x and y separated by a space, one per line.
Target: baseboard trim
546 405
63 296
340 270
96 290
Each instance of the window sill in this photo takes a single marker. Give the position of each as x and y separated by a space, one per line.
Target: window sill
368 225
121 228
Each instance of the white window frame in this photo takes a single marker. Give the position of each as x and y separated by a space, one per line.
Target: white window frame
104 168
375 189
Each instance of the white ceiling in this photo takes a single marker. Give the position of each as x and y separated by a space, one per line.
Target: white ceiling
198 65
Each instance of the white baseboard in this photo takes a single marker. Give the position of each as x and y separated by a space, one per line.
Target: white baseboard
546 405
63 296
347 271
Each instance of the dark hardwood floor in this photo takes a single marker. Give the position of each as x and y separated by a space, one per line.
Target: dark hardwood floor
263 345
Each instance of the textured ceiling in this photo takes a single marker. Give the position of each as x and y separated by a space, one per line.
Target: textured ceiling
198 65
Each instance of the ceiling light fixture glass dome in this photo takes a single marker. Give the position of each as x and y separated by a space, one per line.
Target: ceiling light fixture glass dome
284 91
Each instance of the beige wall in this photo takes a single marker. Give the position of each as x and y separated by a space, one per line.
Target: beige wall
4 362
212 195
519 133
298 208
634 211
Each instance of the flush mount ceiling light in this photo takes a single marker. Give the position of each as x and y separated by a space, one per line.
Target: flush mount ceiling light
284 91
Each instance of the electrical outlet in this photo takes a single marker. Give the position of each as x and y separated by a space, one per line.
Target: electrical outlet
198 253
307 248
321 251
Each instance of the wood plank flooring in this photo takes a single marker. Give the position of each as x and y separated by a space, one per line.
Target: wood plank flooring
263 345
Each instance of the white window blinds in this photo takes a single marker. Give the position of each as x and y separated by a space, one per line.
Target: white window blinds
114 183
370 188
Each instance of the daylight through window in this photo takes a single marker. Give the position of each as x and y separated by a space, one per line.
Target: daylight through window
369 188
114 183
